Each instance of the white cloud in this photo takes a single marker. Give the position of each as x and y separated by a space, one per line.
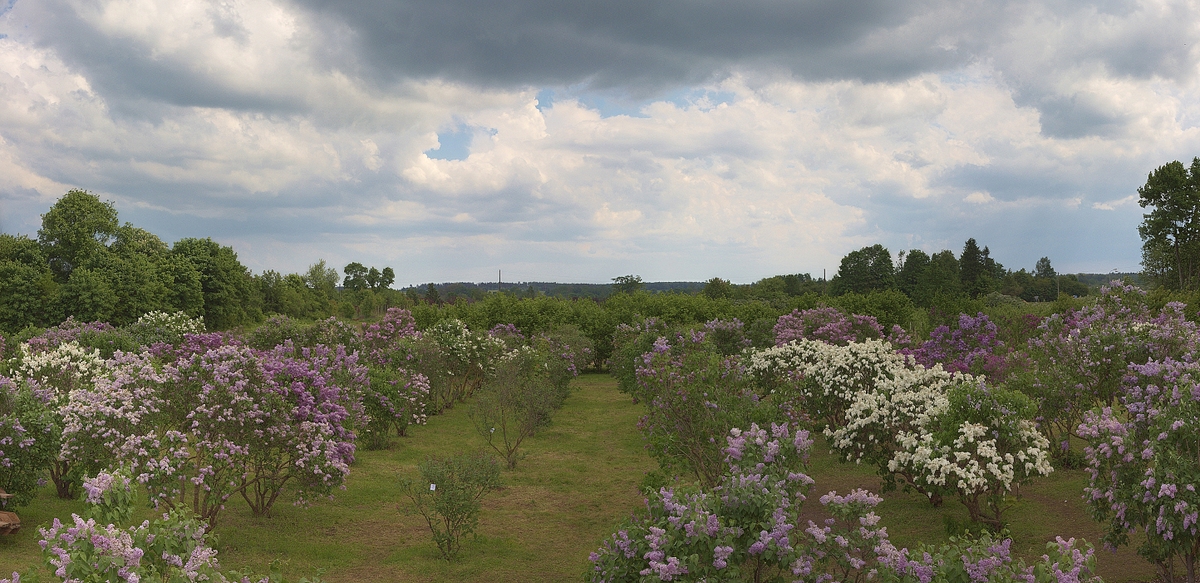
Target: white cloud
295 155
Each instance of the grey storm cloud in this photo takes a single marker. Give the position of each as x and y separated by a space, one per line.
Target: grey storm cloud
631 42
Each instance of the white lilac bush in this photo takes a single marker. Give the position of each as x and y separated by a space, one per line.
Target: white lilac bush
169 328
940 433
820 380
981 448
53 372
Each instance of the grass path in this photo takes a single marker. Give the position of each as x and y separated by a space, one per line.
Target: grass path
579 479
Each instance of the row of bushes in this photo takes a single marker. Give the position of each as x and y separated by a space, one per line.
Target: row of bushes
970 411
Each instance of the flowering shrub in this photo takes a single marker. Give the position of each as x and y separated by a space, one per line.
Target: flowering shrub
904 400
322 393
817 380
448 496
331 332
988 560
728 336
53 373
28 442
630 342
225 422
514 403
380 339
693 394
1141 456
90 334
509 334
395 400
827 325
466 357
1078 360
981 448
747 529
157 326
971 347
275 331
743 526
564 353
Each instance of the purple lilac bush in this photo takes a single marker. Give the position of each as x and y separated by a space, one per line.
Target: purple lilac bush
971 347
1142 460
828 325
748 528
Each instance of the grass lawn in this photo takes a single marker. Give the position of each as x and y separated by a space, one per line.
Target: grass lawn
579 479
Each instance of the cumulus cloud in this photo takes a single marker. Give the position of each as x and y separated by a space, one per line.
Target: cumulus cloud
676 139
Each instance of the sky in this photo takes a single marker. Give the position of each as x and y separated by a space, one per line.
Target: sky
576 142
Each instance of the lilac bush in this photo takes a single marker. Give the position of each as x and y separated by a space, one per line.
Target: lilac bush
1079 360
379 339
53 373
729 336
747 528
1142 459
226 422
828 325
971 347
29 435
692 394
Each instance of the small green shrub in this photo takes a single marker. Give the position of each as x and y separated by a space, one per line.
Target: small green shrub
448 496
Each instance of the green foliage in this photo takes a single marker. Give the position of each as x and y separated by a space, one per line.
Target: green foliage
889 307
1171 230
28 442
75 230
28 296
515 402
448 496
863 271
627 284
230 298
693 393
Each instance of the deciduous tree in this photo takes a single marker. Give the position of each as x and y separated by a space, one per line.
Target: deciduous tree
1171 230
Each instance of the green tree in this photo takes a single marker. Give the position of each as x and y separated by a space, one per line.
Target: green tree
1171 230
28 296
431 295
863 271
356 276
88 296
975 268
75 229
627 284
1043 269
718 288
322 278
913 265
230 297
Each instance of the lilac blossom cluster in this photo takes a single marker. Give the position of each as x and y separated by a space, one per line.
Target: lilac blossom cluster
748 527
379 339
971 347
70 330
828 325
223 422
1080 359
1141 457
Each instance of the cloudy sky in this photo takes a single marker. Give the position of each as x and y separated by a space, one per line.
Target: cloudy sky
573 141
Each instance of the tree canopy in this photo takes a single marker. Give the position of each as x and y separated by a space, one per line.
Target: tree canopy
1171 230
